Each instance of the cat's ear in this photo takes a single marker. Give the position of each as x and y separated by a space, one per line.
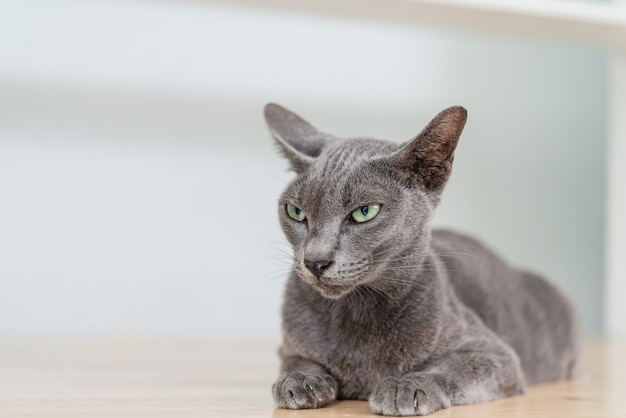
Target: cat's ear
428 157
299 141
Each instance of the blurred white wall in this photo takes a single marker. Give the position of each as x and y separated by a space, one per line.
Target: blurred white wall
138 184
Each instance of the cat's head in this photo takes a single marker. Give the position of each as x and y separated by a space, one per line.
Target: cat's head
359 207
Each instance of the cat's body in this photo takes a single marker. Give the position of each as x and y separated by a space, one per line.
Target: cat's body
381 308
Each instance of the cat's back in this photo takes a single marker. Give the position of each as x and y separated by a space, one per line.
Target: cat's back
524 309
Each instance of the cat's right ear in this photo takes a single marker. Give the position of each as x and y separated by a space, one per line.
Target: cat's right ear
428 157
298 140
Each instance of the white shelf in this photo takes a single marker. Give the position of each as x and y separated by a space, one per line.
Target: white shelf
580 21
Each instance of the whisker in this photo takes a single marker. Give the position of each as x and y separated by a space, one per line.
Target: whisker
406 283
382 293
391 260
437 253
455 253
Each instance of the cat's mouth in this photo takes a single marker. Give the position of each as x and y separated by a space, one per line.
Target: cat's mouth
338 282
335 284
333 288
327 287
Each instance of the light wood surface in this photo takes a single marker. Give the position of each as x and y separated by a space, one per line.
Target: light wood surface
141 377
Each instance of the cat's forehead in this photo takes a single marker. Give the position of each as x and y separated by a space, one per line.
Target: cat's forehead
358 148
342 174
342 158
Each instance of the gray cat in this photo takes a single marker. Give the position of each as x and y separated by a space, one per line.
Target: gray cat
378 306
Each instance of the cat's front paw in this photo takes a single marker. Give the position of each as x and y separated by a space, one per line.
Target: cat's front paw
406 397
298 390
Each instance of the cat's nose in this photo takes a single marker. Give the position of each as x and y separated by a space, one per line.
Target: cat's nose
317 267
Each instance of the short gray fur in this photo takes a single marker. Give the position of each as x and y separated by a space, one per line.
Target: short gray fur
412 320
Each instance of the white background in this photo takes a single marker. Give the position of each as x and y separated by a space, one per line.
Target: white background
138 184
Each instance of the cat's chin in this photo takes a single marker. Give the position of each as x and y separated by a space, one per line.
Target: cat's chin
329 288
330 291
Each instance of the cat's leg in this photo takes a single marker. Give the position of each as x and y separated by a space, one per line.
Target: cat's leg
304 384
465 376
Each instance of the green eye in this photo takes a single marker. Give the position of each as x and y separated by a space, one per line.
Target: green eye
295 213
365 213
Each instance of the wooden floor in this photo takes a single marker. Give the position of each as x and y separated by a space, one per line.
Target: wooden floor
138 377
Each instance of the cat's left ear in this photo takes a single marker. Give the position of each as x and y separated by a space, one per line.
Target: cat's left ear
428 157
299 141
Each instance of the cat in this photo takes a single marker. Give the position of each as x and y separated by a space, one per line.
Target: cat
379 307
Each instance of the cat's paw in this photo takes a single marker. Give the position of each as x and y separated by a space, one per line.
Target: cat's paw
298 390
406 397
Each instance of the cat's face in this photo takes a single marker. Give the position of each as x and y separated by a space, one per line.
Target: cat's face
359 206
346 216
